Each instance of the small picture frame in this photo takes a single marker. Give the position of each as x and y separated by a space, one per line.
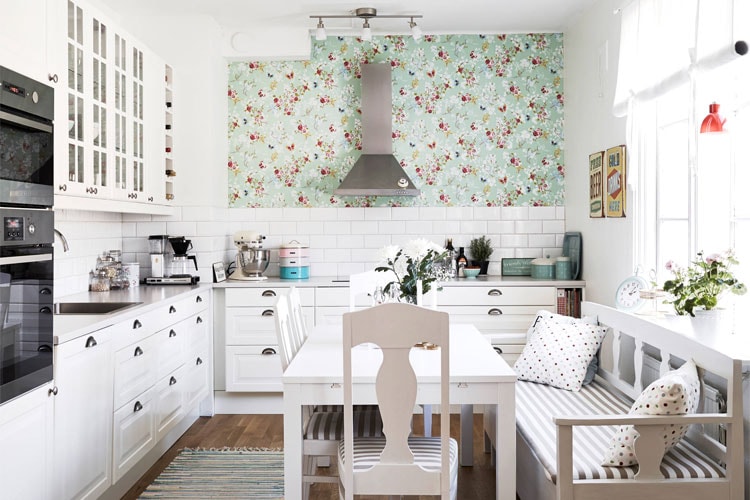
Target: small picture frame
616 182
596 185
219 273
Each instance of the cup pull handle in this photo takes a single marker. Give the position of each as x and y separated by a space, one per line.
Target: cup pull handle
137 407
268 351
90 342
172 310
495 292
268 293
267 312
198 362
172 380
494 312
138 352
137 324
172 333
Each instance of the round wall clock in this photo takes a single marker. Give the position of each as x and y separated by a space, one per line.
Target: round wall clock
628 297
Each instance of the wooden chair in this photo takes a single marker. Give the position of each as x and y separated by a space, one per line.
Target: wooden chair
323 430
299 327
397 464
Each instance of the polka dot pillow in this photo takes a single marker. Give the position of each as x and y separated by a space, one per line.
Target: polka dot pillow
558 354
676 393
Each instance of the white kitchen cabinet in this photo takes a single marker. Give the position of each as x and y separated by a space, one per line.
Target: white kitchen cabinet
83 413
24 49
251 348
108 98
26 430
134 429
170 397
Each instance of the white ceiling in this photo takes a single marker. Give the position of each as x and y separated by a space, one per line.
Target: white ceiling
439 16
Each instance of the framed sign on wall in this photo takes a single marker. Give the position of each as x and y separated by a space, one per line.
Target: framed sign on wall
616 192
596 184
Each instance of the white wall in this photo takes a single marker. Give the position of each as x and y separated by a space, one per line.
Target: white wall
591 52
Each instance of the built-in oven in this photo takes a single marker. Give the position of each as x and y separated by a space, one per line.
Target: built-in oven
26 141
26 300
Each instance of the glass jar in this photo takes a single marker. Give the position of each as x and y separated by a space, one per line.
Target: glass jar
99 281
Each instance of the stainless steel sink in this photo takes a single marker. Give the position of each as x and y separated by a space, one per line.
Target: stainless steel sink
92 307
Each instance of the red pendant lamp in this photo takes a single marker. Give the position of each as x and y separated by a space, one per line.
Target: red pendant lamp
713 122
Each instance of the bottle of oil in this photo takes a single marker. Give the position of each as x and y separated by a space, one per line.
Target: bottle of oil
461 262
450 258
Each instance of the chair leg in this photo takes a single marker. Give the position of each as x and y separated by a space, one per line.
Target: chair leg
427 413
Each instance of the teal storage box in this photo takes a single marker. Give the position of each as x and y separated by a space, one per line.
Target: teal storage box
294 273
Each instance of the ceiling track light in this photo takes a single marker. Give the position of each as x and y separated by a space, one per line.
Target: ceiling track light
365 13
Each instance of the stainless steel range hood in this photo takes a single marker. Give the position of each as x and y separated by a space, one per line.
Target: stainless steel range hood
377 172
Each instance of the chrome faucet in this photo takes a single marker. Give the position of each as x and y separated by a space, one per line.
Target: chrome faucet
64 241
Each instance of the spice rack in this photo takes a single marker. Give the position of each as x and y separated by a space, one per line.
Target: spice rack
169 170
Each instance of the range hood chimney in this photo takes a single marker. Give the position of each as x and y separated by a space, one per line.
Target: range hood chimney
377 172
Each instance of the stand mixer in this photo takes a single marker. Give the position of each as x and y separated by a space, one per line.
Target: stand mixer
252 259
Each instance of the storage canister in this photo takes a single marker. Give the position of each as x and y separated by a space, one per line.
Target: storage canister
294 261
563 268
543 268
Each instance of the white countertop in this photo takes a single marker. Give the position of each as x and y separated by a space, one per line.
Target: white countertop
70 326
343 281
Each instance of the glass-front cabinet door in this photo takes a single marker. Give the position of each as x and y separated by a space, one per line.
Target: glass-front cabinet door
105 151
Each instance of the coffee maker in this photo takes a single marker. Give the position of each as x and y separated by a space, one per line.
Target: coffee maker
170 262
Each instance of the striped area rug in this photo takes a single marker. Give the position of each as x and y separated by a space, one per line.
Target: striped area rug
221 473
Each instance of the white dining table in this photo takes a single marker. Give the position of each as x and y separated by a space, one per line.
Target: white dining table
477 376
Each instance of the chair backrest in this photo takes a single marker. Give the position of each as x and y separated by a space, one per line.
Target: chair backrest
365 283
396 328
284 331
298 319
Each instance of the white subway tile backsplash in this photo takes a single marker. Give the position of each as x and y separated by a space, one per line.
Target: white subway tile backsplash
514 213
528 226
541 240
501 227
341 240
554 226
541 213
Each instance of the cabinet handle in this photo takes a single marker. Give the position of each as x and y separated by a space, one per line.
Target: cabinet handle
268 293
45 310
138 352
198 320
52 391
138 406
90 342
494 292
199 299
172 333
494 312
137 324
172 380
45 291
52 78
62 187
172 310
44 348
268 351
498 350
267 312
198 362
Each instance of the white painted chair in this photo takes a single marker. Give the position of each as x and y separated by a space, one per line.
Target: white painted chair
364 284
323 430
299 327
397 464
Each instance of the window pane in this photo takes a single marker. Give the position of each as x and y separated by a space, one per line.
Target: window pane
673 245
673 173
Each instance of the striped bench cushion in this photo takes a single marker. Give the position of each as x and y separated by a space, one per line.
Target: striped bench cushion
329 426
329 408
537 404
426 453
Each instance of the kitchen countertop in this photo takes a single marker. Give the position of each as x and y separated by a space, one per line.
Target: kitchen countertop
71 326
343 281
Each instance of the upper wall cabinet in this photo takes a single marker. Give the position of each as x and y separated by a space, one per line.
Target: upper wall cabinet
24 38
109 115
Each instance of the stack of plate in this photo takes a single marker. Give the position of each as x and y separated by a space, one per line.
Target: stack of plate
294 261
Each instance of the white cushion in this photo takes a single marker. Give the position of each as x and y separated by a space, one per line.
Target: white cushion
558 354
568 320
676 393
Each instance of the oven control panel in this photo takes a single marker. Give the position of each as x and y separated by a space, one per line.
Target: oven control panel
13 228
26 227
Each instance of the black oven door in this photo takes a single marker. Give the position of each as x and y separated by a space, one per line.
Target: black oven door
26 303
26 161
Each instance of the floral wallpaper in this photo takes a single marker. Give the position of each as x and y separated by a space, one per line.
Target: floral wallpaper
477 121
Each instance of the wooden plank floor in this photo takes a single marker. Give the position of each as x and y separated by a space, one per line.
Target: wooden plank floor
267 431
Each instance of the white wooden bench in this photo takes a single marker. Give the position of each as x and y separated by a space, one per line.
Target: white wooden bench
562 435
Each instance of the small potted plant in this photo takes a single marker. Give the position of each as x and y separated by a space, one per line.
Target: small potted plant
480 250
700 285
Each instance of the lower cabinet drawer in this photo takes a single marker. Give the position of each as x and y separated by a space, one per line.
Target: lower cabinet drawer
253 369
509 352
134 432
169 401
135 369
197 380
496 319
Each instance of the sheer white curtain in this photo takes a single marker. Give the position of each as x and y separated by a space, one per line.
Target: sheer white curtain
664 46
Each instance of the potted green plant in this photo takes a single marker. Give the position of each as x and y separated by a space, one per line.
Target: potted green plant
480 250
700 285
